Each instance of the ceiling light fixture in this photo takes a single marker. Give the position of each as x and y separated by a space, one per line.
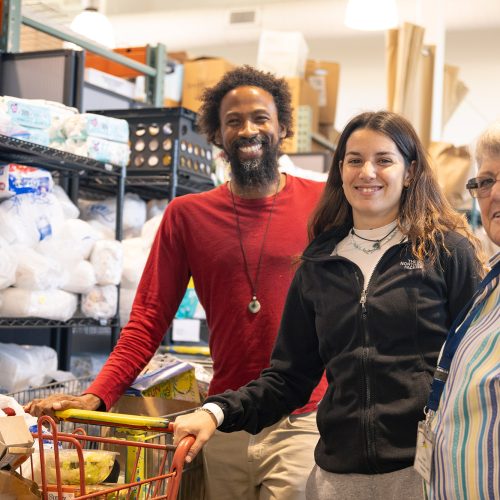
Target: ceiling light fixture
371 15
91 23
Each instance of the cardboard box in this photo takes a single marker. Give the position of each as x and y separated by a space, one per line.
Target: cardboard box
14 486
199 74
283 53
324 78
138 54
182 386
110 82
14 436
305 116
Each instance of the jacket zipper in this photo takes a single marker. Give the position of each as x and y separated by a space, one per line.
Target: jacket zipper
367 421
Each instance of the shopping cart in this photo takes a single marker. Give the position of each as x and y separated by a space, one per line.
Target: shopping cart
137 483
144 447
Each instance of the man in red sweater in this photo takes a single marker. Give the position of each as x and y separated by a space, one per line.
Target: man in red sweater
238 242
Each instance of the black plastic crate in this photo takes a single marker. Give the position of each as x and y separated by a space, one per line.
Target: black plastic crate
155 133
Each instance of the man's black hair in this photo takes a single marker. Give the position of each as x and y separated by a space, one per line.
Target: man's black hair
243 76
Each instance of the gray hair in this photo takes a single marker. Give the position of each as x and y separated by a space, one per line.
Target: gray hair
488 144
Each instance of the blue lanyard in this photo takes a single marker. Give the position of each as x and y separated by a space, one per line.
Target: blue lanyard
455 335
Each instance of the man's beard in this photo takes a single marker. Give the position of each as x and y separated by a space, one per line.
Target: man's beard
259 171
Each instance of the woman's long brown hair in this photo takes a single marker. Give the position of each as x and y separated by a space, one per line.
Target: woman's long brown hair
424 213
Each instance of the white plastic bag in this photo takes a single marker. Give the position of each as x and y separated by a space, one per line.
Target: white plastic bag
107 259
127 296
73 243
37 272
70 210
26 366
101 302
150 229
80 277
47 304
29 218
8 266
135 255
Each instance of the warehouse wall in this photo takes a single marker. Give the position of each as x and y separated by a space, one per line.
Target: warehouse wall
362 78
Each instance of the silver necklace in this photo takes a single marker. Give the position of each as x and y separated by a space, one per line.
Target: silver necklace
377 244
254 305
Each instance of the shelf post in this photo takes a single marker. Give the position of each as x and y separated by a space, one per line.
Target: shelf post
156 57
10 34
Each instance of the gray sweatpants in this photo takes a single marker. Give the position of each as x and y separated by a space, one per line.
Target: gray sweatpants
404 484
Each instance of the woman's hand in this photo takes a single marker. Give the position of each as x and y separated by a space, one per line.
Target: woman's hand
200 424
57 402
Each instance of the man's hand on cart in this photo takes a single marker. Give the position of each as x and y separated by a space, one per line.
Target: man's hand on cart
200 424
56 402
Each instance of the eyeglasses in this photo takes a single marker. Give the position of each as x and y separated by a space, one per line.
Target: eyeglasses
480 187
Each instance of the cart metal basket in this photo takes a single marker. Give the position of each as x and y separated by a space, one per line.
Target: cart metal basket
149 466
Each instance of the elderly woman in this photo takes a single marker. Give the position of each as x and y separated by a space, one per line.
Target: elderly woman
466 459
389 267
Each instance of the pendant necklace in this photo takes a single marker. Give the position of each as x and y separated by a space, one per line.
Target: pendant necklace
254 305
376 243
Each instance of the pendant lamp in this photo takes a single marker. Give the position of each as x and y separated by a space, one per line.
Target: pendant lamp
93 24
371 15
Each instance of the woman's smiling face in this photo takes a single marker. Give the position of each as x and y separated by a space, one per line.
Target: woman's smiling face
373 175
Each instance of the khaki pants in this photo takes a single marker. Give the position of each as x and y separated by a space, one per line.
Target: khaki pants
273 464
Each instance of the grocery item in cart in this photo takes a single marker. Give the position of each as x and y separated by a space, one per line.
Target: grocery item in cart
97 464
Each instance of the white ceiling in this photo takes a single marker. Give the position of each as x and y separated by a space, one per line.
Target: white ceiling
190 23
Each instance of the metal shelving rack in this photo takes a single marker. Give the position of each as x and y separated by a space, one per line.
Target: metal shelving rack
72 168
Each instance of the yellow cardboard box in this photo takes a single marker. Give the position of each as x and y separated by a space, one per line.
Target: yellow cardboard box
199 74
182 386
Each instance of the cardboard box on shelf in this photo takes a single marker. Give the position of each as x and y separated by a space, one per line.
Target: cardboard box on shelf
324 77
305 116
110 82
138 54
198 74
283 53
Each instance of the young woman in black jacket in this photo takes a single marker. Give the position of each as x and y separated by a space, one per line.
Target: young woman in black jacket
389 266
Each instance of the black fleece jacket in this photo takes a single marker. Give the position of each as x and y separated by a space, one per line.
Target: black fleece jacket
379 350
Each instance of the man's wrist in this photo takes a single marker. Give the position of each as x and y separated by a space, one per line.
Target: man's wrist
93 402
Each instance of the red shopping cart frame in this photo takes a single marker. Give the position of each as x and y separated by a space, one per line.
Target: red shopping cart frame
164 484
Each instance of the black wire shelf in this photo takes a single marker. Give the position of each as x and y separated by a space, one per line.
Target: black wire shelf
51 323
28 153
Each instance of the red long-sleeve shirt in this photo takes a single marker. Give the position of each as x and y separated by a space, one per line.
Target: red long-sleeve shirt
198 236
